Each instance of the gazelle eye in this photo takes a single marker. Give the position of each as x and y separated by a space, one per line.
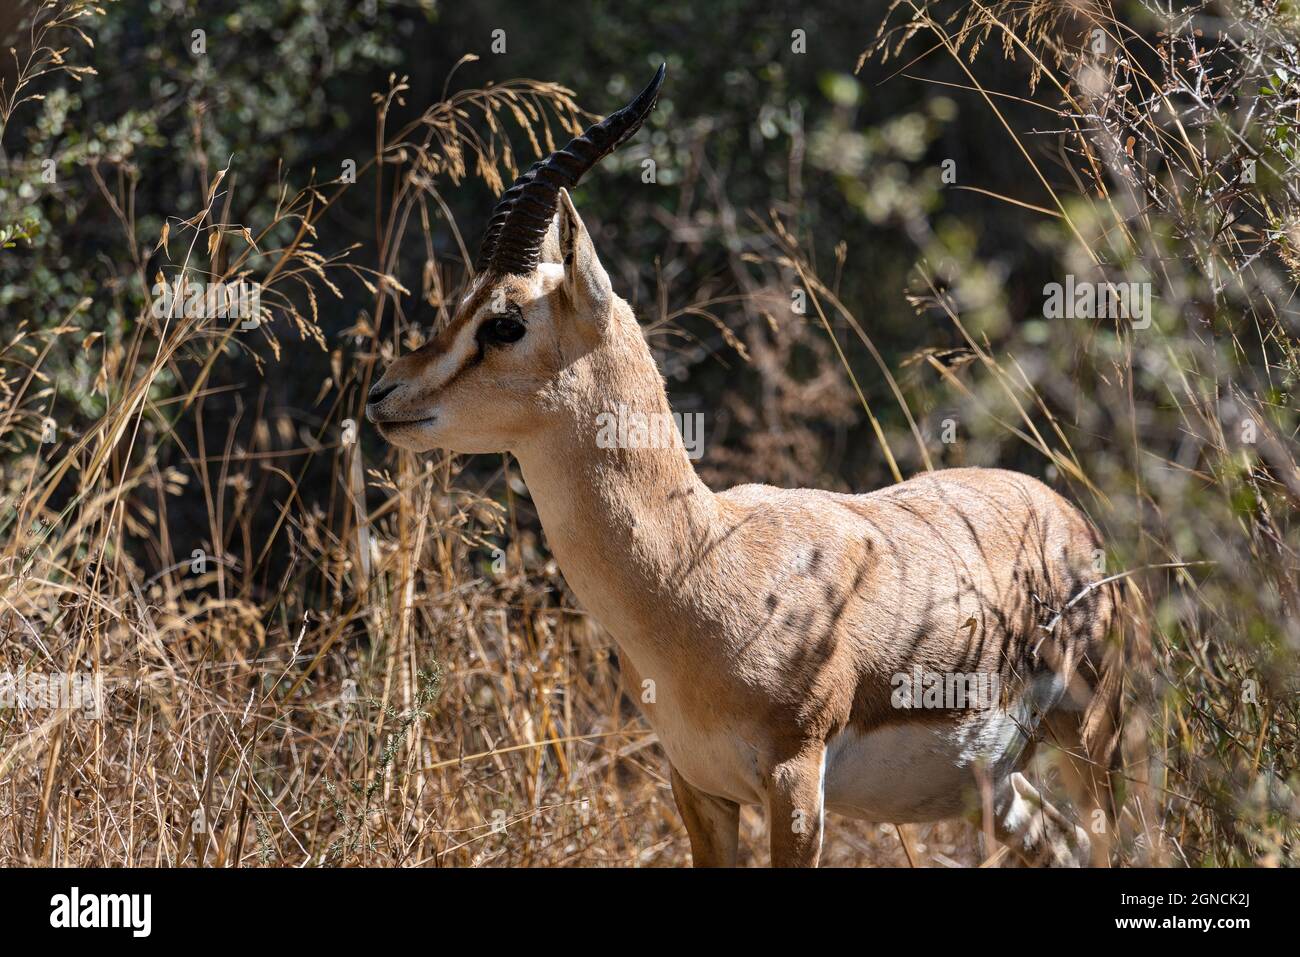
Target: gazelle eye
502 329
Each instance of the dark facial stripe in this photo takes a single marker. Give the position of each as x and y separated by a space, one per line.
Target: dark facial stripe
446 336
471 360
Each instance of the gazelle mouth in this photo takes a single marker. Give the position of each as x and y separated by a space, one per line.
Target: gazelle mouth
393 423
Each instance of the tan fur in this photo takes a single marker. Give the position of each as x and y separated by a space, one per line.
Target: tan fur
769 622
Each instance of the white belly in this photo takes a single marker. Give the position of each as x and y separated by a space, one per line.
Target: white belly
913 772
927 771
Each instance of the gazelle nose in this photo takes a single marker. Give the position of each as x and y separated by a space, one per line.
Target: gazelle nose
379 390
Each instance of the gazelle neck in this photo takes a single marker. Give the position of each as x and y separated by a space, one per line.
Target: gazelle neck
627 525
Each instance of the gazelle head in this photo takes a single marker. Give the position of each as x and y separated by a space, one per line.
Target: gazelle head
540 302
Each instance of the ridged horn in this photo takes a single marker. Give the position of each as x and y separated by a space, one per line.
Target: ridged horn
513 242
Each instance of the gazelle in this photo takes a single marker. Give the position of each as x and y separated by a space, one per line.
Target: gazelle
780 629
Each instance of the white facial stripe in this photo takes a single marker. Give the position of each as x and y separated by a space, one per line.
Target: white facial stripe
455 357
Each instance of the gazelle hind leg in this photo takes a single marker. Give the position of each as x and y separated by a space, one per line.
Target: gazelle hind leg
1090 791
1033 829
1092 787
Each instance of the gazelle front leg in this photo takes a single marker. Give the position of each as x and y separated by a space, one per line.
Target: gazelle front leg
712 823
795 801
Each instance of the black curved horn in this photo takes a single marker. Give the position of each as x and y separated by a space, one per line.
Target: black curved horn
513 242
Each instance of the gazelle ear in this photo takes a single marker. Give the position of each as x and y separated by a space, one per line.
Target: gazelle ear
585 281
551 252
